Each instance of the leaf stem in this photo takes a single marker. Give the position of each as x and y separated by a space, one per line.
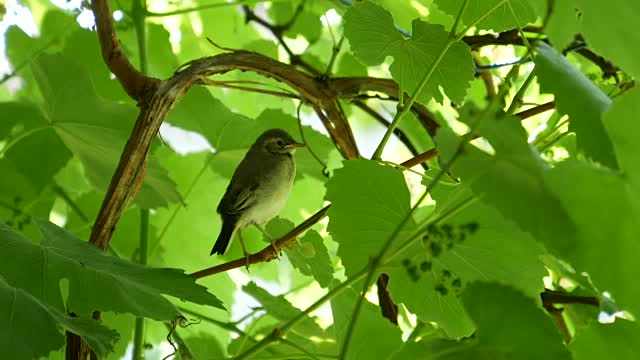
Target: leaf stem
404 108
19 138
334 55
195 8
138 333
69 201
278 332
454 28
298 347
519 96
304 141
476 21
138 14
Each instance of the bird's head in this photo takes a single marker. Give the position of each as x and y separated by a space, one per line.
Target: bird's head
278 141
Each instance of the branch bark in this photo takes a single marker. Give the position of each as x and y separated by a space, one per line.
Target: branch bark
134 82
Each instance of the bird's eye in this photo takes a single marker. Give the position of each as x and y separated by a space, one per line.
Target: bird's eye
280 143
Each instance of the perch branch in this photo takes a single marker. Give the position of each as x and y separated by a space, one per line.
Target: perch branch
401 135
268 253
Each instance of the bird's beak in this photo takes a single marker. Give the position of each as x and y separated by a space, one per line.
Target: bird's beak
292 147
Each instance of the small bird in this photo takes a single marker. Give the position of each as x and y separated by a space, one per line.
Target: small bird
259 188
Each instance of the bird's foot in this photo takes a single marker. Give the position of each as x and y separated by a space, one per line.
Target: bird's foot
275 249
246 256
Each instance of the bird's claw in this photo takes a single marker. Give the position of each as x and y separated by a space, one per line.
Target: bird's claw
275 249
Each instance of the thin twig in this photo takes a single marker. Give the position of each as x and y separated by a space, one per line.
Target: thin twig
195 8
220 47
399 133
332 59
278 332
298 347
519 96
69 201
536 110
246 88
304 140
487 78
420 159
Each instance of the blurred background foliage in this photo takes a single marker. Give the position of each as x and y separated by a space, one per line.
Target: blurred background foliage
530 205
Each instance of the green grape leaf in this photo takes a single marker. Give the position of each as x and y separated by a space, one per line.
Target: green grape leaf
308 25
510 326
619 340
602 18
162 62
348 65
604 208
21 313
476 244
124 324
364 212
374 337
604 205
497 15
430 349
281 309
620 127
404 12
28 133
203 345
282 11
96 281
564 23
312 258
512 180
226 23
363 215
373 36
264 47
581 99
23 49
84 49
95 130
196 112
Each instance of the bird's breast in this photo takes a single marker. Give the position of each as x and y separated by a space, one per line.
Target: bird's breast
273 192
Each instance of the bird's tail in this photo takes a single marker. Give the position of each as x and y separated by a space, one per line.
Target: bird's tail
224 239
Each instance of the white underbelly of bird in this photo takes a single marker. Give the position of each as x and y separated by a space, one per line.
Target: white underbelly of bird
274 196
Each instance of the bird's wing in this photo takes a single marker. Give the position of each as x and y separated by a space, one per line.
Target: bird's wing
240 194
237 199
